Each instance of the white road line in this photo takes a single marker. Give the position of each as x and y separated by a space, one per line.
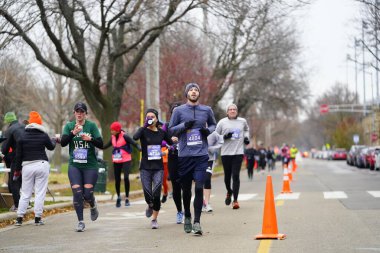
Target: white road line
245 197
334 195
288 196
375 194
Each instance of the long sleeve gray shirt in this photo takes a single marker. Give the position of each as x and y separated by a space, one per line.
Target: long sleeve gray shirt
215 141
190 141
239 129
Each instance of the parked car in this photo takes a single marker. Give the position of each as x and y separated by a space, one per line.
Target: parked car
351 159
339 154
377 158
370 158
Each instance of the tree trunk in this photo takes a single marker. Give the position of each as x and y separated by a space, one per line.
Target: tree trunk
105 123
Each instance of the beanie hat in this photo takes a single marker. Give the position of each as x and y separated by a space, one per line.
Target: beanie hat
9 117
152 111
189 86
229 105
116 126
35 117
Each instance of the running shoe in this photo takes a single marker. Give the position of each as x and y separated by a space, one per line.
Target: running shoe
235 205
197 230
187 226
80 227
148 212
228 199
179 217
164 198
94 212
18 221
209 208
204 208
38 221
13 208
154 224
118 202
127 203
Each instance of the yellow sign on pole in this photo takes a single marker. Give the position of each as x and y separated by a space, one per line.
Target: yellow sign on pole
141 112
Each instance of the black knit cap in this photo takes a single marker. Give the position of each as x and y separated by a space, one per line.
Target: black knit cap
80 106
153 111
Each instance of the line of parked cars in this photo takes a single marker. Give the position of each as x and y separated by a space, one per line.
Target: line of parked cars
335 154
364 157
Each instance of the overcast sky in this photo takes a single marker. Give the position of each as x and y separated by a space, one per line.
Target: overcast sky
328 28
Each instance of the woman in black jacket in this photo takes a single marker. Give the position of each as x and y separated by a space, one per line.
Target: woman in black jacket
32 158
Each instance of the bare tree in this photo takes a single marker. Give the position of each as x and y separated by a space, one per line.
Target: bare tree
256 52
103 44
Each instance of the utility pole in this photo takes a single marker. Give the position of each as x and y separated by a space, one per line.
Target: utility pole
356 72
152 71
364 26
376 52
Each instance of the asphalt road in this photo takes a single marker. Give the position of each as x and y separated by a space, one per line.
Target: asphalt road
333 208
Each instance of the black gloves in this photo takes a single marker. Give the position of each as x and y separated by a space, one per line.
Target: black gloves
227 136
246 140
189 124
204 131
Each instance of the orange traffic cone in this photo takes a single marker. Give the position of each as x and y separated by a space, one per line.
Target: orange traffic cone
290 175
294 165
269 229
286 184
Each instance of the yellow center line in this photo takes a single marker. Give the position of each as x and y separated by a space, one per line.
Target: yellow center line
280 202
264 246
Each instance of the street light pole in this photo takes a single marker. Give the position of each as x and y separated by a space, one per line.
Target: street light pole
356 72
364 26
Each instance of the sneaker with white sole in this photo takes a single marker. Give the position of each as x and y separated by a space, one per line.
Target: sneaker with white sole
179 217
18 221
204 208
38 221
208 208
197 230
154 224
80 226
13 208
187 226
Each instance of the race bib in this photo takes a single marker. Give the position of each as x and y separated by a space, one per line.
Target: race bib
80 155
235 134
194 137
154 152
116 156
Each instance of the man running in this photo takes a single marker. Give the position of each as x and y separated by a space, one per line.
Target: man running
192 123
235 132
12 135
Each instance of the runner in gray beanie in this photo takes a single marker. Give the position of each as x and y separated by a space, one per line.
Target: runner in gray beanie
189 86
